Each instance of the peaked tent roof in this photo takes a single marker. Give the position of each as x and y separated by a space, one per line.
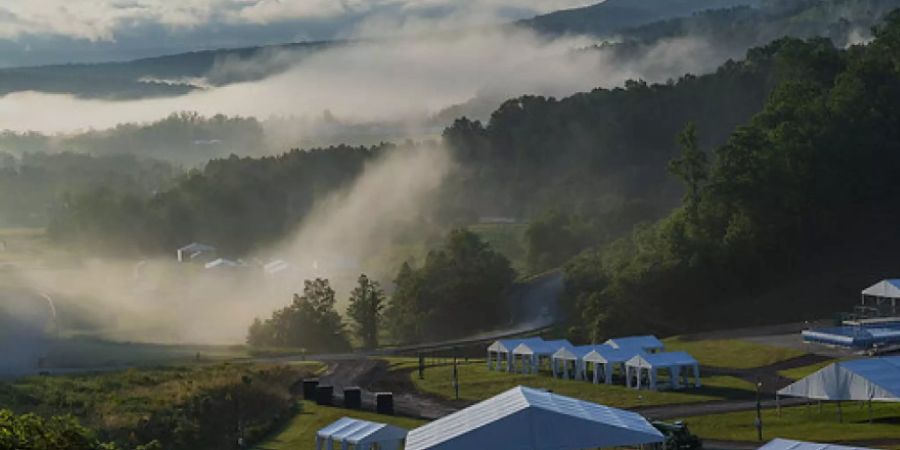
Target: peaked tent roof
787 444
358 432
532 419
605 354
884 288
667 359
542 347
574 352
508 345
643 342
862 379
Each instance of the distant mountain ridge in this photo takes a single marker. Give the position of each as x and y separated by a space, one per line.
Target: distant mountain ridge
611 16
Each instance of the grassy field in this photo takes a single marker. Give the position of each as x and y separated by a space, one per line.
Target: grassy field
800 372
731 353
170 404
300 432
478 383
804 424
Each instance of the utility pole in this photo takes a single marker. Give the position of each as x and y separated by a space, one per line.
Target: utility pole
759 423
455 378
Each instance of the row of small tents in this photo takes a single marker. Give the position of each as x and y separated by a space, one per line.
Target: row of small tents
522 418
636 358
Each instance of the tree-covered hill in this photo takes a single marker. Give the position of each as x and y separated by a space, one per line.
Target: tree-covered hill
808 180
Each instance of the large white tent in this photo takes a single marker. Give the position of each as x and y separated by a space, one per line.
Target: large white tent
787 444
570 360
361 434
525 418
500 352
883 293
606 359
870 379
649 344
679 365
532 353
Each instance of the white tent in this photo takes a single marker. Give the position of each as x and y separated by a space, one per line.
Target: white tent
678 364
871 379
570 360
787 444
501 352
606 359
361 434
883 293
649 344
532 353
526 418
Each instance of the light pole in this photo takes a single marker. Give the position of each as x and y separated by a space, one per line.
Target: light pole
758 423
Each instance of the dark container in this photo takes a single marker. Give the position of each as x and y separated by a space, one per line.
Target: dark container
353 398
324 395
384 403
309 389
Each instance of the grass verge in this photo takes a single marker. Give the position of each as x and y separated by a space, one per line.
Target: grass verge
300 432
731 353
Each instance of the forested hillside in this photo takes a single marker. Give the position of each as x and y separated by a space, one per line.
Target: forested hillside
796 184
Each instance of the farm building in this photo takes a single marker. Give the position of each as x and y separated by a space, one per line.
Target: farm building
679 366
528 418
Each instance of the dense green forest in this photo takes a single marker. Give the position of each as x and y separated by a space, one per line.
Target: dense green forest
813 164
34 186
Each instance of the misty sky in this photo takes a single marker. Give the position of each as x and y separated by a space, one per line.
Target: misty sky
57 31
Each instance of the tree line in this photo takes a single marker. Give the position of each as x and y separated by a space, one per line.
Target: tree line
460 289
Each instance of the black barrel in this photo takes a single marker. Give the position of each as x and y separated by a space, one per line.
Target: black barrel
324 395
384 403
309 389
353 398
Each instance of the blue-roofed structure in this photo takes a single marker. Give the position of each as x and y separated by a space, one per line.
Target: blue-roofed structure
869 379
499 353
532 354
649 344
526 418
787 444
677 365
569 361
605 360
361 434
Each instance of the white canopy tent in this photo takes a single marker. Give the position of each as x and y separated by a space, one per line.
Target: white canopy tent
883 293
870 379
361 434
532 353
501 352
526 418
649 343
606 359
678 364
787 444
571 360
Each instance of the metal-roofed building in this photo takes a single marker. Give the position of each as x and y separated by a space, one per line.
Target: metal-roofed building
870 379
678 365
649 343
361 434
532 419
787 444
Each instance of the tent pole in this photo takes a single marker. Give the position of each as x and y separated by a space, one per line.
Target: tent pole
840 413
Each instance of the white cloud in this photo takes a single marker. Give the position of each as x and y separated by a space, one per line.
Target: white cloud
102 20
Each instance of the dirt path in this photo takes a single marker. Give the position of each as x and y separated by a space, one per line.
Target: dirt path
771 380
